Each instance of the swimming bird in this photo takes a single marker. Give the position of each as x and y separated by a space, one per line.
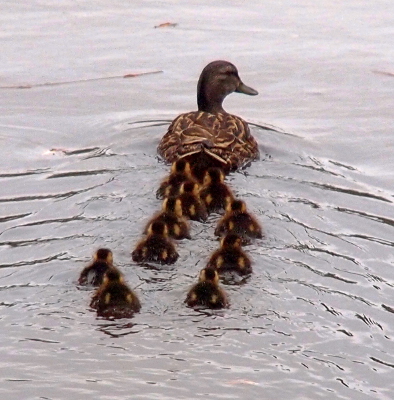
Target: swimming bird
211 137
230 256
93 273
239 221
207 291
171 215
214 192
180 172
114 299
157 246
192 205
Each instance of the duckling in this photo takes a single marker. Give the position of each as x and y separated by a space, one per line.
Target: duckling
214 192
237 220
211 137
192 206
230 256
180 172
156 246
94 272
207 291
114 298
171 215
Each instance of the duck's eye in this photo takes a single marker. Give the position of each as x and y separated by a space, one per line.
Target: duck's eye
226 74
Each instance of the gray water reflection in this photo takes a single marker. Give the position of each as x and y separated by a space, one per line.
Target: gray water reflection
79 171
318 298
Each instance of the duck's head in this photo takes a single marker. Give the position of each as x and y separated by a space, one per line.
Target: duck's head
174 205
158 228
113 275
236 206
103 255
231 240
213 175
181 166
217 80
189 187
209 275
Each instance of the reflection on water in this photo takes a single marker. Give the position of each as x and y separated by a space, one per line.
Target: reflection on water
79 171
319 294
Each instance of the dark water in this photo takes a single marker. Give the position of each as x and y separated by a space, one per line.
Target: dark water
79 171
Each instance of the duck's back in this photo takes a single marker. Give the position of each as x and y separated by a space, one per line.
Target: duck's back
206 294
178 227
231 259
241 224
94 273
224 136
216 196
228 259
117 295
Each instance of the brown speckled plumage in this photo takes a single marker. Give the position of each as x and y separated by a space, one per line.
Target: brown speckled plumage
211 133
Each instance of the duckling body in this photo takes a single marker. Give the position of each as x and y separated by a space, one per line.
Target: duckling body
172 186
210 137
93 274
230 256
156 246
214 192
172 217
192 205
114 298
180 172
237 220
207 292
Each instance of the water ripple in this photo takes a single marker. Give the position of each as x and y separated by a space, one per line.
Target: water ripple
298 327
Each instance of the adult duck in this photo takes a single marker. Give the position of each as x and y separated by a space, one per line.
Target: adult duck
211 137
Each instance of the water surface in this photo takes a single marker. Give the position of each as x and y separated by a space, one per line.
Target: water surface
79 171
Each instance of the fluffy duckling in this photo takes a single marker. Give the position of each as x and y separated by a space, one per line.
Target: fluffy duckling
237 220
215 193
192 206
171 215
200 163
207 291
230 256
180 172
156 246
114 298
93 274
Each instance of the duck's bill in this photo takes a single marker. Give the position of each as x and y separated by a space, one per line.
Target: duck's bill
242 88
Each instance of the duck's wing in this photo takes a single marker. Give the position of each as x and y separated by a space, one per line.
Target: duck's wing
224 137
187 134
234 135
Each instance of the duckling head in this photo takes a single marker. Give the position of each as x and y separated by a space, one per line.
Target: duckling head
158 228
103 255
213 175
181 166
217 80
236 206
173 204
113 275
231 240
189 187
209 275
